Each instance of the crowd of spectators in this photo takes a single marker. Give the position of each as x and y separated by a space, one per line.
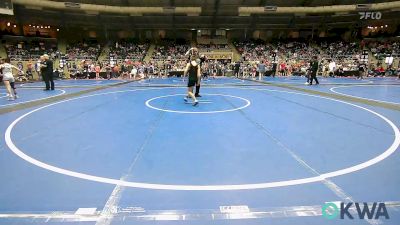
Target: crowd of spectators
83 51
24 51
169 49
284 57
383 48
293 57
340 50
297 50
128 50
254 51
169 55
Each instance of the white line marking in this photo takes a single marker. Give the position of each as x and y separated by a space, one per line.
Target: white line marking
248 103
322 177
328 183
110 208
201 214
34 100
49 216
333 90
338 191
86 211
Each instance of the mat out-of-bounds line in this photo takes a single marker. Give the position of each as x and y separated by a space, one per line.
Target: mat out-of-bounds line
332 89
275 184
223 213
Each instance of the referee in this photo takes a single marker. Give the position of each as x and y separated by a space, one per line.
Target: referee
47 71
314 69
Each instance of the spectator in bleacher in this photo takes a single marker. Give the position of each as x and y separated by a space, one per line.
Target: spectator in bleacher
133 73
261 69
332 68
282 68
361 70
97 70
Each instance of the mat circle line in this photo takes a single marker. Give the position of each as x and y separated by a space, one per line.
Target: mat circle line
248 103
389 151
332 89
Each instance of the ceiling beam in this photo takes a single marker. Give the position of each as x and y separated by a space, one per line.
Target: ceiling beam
215 12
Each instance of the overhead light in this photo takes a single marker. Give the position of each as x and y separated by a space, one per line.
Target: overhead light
386 25
381 26
30 25
376 27
15 25
192 29
8 24
41 27
49 27
58 29
227 29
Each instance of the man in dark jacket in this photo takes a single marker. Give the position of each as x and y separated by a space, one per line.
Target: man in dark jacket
47 71
237 69
313 70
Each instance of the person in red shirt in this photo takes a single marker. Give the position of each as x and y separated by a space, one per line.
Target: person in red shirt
381 71
283 69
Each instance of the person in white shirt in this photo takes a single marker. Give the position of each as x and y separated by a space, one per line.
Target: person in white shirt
8 78
37 68
332 67
133 73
